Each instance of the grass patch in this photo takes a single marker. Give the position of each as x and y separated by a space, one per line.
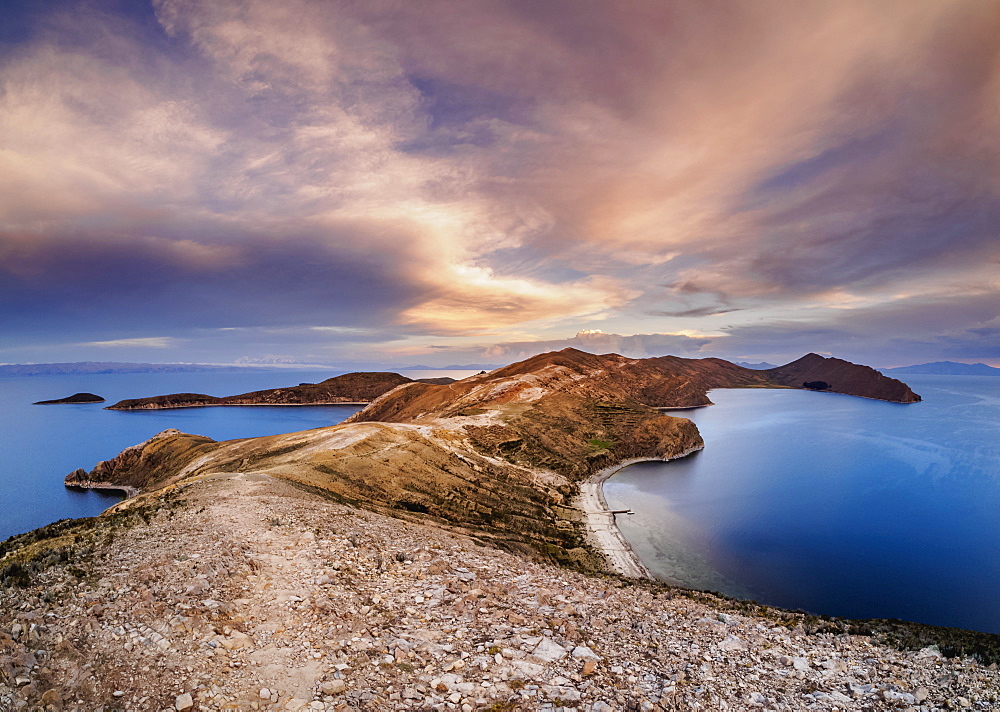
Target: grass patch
598 444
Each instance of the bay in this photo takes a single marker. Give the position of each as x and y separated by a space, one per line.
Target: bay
833 504
40 444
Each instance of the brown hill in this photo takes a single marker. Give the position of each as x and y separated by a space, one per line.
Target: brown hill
499 454
842 377
348 388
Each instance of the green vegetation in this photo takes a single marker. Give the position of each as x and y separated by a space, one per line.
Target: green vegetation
598 444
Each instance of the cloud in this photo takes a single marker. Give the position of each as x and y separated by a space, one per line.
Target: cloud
916 329
598 342
504 172
146 342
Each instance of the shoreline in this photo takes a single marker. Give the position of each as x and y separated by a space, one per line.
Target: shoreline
602 528
129 492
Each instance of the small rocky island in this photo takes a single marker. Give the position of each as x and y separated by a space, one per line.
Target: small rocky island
75 398
444 548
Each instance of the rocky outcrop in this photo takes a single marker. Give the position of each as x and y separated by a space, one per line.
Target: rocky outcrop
146 466
348 388
75 398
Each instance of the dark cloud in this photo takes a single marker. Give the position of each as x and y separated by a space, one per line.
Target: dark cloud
93 283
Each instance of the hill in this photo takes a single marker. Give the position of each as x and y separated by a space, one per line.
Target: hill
760 366
241 591
347 388
500 454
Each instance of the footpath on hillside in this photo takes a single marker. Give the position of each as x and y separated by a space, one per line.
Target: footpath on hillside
244 592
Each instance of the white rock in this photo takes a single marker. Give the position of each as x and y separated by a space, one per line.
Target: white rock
530 670
334 687
183 702
549 651
265 694
585 653
731 643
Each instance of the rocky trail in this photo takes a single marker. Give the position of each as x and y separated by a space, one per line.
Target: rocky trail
245 592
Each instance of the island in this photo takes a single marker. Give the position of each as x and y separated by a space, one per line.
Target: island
75 398
349 388
443 548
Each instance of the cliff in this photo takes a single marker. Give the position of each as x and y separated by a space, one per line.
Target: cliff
348 388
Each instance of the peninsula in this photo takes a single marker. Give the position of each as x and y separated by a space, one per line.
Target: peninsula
353 388
440 549
500 455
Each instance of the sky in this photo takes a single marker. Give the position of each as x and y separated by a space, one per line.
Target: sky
449 182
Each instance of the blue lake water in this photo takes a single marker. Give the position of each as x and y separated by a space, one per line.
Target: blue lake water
833 504
40 444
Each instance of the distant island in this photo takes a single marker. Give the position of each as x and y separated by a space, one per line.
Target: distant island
75 398
356 388
946 368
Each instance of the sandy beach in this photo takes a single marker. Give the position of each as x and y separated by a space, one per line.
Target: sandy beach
602 529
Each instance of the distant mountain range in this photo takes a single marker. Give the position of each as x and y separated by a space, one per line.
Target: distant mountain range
113 367
947 368
762 366
103 367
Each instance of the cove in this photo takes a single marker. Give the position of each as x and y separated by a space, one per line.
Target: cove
833 504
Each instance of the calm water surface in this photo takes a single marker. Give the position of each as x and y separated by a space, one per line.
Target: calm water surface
833 504
40 444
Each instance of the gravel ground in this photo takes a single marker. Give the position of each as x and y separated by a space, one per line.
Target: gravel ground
243 592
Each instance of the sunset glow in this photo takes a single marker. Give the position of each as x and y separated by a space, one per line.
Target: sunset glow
446 183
